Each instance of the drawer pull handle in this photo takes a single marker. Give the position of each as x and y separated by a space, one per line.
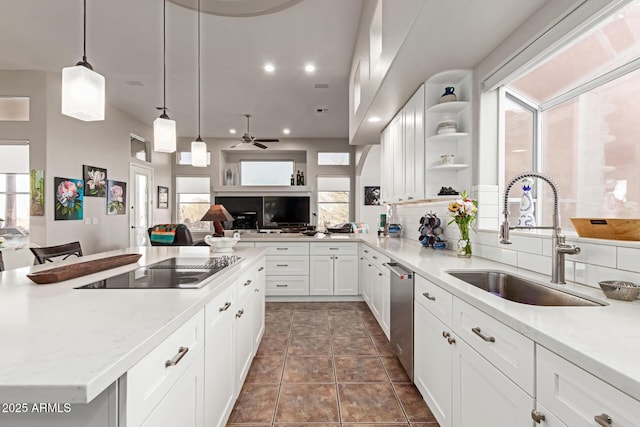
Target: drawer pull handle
240 313
479 333
261 268
446 334
429 297
451 340
247 283
281 286
366 251
225 307
282 265
379 274
282 249
374 257
256 290
603 420
537 416
334 249
177 358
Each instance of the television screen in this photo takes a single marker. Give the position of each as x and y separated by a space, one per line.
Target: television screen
286 210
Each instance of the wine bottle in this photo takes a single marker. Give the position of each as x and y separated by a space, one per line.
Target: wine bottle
301 178
292 181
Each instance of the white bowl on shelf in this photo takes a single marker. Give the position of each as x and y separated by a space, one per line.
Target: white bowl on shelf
221 244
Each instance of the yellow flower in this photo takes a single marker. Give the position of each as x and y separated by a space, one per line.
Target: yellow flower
454 207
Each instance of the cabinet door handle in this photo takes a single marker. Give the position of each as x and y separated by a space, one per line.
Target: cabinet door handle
256 290
225 307
537 416
361 259
366 251
451 340
282 249
282 265
374 257
281 286
240 313
429 297
479 333
177 358
334 249
247 283
379 274
603 420
261 268
446 334
410 197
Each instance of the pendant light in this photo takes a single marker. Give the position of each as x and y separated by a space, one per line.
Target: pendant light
198 147
164 129
82 88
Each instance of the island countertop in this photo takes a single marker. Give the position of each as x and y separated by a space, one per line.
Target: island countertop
62 344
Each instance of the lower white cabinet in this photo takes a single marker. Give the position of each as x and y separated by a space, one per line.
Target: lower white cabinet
244 337
376 287
570 395
333 275
484 396
259 290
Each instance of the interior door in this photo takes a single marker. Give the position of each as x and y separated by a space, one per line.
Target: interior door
141 210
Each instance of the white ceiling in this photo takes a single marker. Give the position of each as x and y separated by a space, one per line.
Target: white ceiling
124 43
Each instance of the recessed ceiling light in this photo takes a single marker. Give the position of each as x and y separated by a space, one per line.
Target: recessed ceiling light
232 131
310 68
269 68
286 131
373 119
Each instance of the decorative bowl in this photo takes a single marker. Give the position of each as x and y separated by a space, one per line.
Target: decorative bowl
620 290
222 244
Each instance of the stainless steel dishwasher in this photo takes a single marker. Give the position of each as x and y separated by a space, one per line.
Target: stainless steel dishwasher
401 328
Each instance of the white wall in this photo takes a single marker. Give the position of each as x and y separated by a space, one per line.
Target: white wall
369 176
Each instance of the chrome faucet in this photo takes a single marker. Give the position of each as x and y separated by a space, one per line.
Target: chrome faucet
558 245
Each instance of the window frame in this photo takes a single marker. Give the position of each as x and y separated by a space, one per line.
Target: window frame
347 203
242 174
177 201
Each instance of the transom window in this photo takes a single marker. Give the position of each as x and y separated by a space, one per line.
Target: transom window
574 116
266 172
333 159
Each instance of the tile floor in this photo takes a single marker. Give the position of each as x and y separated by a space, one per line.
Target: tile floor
329 364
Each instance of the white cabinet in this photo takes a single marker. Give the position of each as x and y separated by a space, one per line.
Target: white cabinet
259 288
386 165
244 336
576 398
397 150
333 269
376 286
287 268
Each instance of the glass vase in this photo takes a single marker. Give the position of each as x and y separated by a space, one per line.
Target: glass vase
463 249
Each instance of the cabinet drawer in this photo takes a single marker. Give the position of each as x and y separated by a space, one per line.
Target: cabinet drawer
341 248
242 244
435 299
222 305
287 265
508 350
287 285
152 377
375 258
576 397
285 248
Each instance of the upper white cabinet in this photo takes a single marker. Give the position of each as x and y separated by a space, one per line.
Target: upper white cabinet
455 173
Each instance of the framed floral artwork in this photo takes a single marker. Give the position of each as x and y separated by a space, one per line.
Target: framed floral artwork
36 193
95 181
116 197
163 197
69 198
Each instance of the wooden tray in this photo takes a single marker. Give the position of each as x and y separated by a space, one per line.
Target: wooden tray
608 228
71 271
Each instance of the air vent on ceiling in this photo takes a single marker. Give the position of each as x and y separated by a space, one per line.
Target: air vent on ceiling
134 83
321 85
321 110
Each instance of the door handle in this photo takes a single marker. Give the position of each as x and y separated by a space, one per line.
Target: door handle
182 351
479 333
537 416
225 307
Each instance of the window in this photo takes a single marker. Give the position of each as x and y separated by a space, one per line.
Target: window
184 158
333 159
14 189
584 99
14 108
140 148
333 200
267 172
193 199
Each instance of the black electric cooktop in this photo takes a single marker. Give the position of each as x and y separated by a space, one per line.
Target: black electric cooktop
180 273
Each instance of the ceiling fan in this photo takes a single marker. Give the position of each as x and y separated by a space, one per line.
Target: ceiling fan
247 138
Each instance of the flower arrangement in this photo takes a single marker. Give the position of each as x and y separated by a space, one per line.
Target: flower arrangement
463 212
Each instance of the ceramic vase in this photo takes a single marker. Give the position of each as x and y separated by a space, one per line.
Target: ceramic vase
526 218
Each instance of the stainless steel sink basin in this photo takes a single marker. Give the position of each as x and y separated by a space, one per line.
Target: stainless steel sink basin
521 290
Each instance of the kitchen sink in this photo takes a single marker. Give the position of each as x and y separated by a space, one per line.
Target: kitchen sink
520 290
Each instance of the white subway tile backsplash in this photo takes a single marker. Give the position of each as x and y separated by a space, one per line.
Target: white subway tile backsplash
527 244
504 256
603 255
628 259
533 262
590 275
487 223
488 211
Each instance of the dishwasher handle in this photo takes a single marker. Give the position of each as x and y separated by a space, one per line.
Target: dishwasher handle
398 270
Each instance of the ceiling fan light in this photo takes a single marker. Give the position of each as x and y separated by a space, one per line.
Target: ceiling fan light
164 134
83 93
198 153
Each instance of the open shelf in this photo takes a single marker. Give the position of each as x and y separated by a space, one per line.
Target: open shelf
447 137
263 189
452 107
455 166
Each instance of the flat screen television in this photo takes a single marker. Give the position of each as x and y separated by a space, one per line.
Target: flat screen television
286 210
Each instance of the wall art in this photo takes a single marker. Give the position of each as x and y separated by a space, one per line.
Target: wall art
116 197
69 198
163 197
372 196
36 204
95 181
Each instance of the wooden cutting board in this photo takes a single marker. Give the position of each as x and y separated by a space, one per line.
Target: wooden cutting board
71 271
608 228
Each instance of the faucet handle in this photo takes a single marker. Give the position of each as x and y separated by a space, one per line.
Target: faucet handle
504 232
567 249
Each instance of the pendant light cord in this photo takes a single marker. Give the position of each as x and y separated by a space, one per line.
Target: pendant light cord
164 56
199 106
84 35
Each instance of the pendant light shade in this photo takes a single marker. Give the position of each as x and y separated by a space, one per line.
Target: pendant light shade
198 153
164 129
198 147
82 88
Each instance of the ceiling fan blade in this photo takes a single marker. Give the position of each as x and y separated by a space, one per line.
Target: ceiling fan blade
257 144
237 145
266 140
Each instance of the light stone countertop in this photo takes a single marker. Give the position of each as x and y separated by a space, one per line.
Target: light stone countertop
61 344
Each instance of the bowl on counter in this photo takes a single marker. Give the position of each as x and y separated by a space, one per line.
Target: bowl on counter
221 244
620 290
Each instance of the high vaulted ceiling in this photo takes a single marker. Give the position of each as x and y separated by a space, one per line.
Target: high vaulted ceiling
124 43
